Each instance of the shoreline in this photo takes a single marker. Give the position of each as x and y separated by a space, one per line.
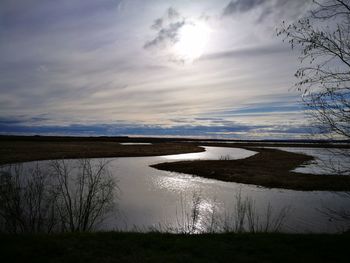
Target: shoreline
270 168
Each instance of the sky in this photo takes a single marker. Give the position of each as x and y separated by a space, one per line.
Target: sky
211 69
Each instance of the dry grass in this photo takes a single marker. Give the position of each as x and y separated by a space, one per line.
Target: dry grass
269 168
30 150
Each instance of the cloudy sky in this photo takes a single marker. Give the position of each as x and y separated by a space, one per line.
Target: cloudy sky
157 68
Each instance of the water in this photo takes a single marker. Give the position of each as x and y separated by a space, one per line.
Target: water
160 199
327 161
211 153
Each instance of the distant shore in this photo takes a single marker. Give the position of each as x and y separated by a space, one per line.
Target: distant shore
277 143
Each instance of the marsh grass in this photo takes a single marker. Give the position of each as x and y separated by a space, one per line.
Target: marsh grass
244 218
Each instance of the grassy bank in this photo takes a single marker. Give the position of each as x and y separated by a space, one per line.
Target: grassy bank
269 168
31 150
155 247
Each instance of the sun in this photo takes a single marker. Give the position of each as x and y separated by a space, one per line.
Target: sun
193 38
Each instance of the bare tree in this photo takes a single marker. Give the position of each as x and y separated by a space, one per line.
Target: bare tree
84 196
65 198
27 204
323 39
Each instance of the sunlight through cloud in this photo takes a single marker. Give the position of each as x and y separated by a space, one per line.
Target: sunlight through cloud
193 38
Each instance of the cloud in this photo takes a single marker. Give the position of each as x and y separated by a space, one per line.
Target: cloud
79 66
167 29
266 50
273 9
157 24
241 6
215 129
230 130
173 13
42 69
166 35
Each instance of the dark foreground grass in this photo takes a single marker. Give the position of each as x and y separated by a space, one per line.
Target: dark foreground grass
269 168
156 247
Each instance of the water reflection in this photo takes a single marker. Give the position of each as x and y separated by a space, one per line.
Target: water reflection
212 153
327 161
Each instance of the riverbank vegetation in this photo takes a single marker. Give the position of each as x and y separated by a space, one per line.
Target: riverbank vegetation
270 168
